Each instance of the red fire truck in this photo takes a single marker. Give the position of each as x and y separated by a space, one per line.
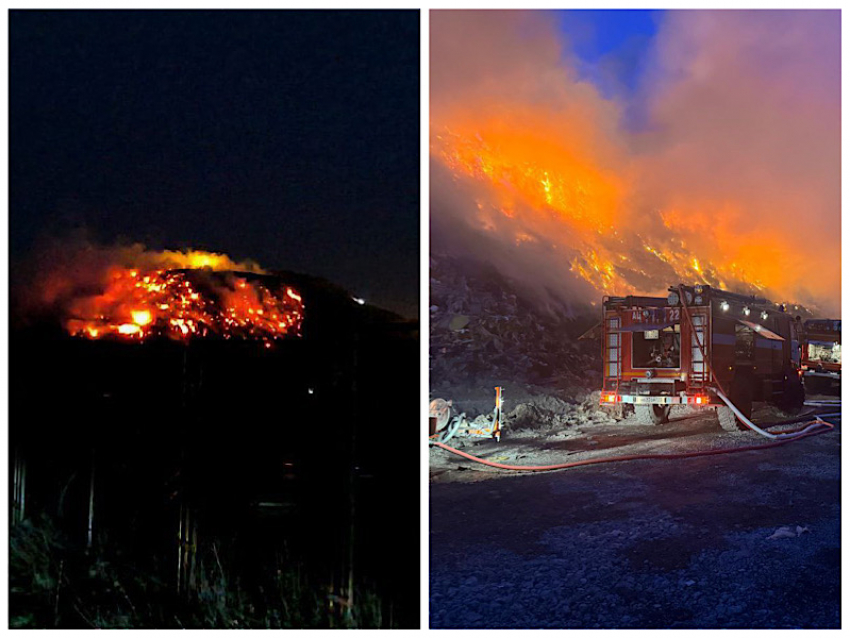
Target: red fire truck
821 353
696 342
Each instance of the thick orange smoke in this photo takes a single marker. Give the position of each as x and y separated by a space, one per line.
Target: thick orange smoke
733 179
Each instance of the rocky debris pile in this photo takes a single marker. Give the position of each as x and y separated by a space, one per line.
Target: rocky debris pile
550 412
539 415
486 331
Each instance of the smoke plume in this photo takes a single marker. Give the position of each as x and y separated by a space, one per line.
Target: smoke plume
728 175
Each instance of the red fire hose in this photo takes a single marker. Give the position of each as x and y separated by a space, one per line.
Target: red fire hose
825 427
810 428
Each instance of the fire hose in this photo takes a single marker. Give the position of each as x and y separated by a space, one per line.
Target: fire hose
812 428
718 389
815 424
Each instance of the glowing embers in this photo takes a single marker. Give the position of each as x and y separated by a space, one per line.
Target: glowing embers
182 304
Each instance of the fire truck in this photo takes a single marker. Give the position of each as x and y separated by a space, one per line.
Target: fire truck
821 353
694 344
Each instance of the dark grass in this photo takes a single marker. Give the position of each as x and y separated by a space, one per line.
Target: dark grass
56 584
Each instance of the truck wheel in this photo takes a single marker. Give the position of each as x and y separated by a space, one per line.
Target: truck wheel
741 396
794 393
654 414
727 419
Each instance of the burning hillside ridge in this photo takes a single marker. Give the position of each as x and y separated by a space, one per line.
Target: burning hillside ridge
185 303
131 293
573 209
537 172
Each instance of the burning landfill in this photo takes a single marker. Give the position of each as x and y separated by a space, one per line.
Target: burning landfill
545 197
539 172
135 294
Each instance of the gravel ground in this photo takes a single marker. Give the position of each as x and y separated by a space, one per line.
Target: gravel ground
642 544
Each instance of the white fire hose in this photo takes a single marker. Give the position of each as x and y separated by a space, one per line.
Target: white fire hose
824 402
815 424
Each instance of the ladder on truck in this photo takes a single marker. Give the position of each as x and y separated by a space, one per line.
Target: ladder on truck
699 375
613 351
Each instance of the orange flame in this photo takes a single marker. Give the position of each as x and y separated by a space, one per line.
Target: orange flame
533 158
544 183
138 303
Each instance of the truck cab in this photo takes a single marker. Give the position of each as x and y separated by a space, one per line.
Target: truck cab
821 353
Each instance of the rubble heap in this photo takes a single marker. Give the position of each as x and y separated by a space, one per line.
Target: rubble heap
485 330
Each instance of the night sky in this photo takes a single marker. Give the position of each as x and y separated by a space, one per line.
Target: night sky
287 137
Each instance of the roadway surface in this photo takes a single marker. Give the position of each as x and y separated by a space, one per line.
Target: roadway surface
644 544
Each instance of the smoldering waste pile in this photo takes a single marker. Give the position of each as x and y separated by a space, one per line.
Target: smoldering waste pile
487 330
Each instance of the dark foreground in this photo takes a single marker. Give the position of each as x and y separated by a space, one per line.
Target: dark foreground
216 483
646 544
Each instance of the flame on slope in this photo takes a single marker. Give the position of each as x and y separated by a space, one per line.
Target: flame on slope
722 166
542 182
536 168
179 295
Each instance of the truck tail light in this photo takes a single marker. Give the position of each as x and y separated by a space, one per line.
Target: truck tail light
698 400
609 397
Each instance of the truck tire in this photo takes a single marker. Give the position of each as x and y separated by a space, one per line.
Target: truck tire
727 419
794 393
652 414
741 396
